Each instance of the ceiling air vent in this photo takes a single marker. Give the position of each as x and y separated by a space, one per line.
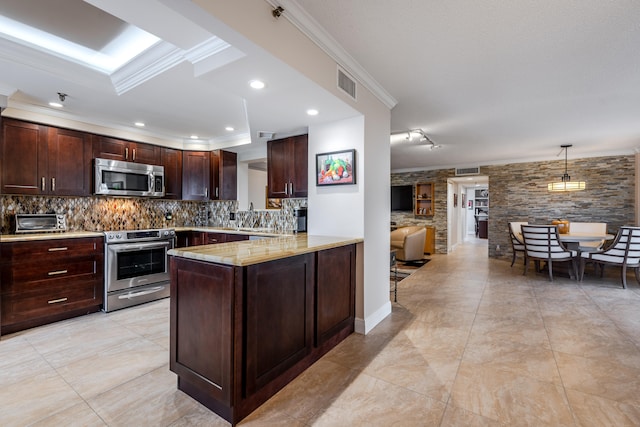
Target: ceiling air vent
266 135
468 171
346 83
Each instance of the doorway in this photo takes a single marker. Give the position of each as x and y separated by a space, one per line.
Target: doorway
465 210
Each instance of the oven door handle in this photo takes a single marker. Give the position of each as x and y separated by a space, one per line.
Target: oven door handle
132 247
130 295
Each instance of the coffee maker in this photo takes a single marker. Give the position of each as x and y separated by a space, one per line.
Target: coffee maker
300 215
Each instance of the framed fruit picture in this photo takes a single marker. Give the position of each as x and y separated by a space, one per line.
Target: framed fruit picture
336 168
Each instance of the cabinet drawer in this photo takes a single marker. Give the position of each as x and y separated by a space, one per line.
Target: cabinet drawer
44 251
49 301
16 274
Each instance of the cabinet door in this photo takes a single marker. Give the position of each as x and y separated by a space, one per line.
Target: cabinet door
110 148
24 157
335 292
299 166
228 175
144 153
69 171
172 161
202 294
277 168
195 175
279 318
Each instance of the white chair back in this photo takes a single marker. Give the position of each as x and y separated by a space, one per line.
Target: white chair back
624 249
589 228
542 242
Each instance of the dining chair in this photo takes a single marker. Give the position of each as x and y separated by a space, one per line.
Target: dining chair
541 243
624 252
597 228
517 245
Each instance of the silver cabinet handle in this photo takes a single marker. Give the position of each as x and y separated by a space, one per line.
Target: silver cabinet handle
62 248
206 192
291 188
55 273
126 153
217 192
134 155
53 301
53 184
285 189
43 184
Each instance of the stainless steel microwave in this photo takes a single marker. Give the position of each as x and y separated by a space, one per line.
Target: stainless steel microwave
117 178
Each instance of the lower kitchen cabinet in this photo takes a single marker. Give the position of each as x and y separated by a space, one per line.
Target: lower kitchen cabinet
197 238
49 280
241 333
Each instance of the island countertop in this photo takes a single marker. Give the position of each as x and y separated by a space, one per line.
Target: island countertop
251 252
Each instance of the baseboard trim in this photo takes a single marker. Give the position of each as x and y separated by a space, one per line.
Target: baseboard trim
364 326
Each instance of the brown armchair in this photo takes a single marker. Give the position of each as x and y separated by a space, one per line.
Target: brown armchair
409 243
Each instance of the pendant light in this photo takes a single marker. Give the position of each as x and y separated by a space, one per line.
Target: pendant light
566 184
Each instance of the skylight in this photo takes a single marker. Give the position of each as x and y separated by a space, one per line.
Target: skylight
126 46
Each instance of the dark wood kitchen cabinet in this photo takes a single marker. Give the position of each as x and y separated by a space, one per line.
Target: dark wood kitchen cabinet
105 147
172 161
224 175
209 175
287 167
196 170
272 321
44 160
196 238
49 280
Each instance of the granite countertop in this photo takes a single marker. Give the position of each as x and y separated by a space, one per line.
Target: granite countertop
27 237
258 251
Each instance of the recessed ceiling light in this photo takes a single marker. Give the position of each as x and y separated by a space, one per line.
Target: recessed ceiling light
312 112
56 104
229 128
194 137
139 124
257 84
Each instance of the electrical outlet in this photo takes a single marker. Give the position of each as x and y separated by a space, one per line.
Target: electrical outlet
497 247
232 216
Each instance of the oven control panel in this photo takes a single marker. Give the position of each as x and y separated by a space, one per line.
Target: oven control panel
139 235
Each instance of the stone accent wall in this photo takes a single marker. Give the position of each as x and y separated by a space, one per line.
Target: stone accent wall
112 213
518 192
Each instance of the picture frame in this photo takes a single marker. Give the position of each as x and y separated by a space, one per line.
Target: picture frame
336 168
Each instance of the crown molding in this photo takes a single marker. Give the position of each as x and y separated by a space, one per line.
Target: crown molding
301 19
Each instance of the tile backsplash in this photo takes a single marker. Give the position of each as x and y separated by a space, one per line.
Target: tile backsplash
112 213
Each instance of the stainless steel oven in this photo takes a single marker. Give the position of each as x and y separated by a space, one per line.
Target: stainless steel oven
136 266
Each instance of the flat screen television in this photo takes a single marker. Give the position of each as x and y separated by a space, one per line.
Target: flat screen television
402 197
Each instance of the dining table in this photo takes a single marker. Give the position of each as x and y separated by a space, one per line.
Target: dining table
572 240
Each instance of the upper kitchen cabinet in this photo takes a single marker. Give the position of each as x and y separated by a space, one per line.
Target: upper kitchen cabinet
44 160
172 161
287 167
196 175
128 151
224 175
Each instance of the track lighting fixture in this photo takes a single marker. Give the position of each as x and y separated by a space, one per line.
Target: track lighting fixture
411 135
62 96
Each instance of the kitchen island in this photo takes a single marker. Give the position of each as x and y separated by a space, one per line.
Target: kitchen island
248 317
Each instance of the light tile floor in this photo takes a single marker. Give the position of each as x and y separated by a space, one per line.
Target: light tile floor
471 342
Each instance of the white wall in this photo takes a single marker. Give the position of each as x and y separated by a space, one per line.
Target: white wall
337 210
257 184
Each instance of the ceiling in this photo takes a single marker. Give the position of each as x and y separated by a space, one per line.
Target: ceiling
490 82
